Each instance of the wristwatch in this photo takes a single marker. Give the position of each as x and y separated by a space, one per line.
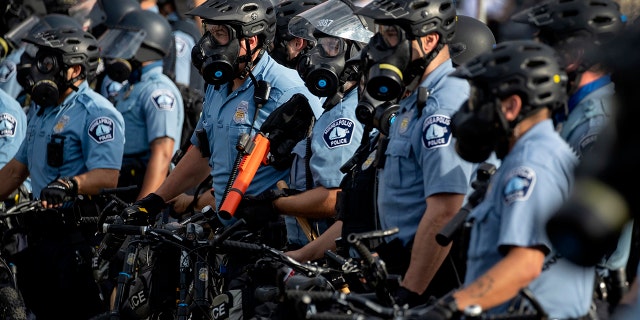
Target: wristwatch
473 311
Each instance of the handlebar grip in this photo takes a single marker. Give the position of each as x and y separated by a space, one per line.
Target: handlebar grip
313 295
244 246
446 235
124 229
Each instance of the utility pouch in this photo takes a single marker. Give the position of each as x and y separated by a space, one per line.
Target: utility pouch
55 149
203 141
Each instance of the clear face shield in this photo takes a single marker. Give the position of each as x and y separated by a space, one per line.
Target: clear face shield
121 43
88 13
333 18
15 35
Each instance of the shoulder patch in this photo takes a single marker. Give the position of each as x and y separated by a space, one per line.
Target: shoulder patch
163 99
520 184
102 130
338 133
181 47
8 125
436 131
7 70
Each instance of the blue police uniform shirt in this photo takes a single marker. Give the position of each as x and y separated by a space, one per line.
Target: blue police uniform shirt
184 44
226 115
334 139
421 159
8 71
93 132
589 110
534 179
152 108
13 127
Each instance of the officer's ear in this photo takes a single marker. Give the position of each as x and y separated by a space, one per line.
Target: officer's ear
511 107
74 71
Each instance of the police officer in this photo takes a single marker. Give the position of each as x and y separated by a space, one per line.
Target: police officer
424 181
336 134
287 48
13 128
231 56
577 29
73 145
8 67
516 88
150 102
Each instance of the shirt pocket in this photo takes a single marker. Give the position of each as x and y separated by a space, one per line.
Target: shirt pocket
485 231
403 170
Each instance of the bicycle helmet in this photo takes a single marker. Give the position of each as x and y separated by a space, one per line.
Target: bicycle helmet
527 68
561 22
417 17
472 37
248 17
76 47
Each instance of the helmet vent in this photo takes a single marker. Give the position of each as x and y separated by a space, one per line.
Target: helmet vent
534 64
417 5
250 7
540 80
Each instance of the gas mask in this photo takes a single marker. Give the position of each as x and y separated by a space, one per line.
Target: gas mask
480 128
43 76
322 67
375 113
121 70
217 57
281 55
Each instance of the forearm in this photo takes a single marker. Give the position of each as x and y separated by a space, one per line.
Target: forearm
158 166
93 181
504 280
190 171
427 255
317 203
12 175
315 249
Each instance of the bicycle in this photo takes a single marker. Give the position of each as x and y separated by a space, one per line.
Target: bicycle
198 280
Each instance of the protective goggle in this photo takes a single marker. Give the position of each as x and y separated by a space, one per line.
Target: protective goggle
221 34
391 35
46 62
330 47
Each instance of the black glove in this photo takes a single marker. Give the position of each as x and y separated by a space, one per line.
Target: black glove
444 308
59 190
258 210
404 296
143 212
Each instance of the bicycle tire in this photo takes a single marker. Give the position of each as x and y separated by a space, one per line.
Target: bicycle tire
12 306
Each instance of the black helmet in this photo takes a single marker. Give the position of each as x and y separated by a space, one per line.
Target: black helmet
417 17
560 22
248 17
287 9
527 68
75 46
158 37
472 37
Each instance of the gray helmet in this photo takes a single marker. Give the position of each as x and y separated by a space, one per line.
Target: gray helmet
248 17
75 46
116 10
158 38
472 38
527 68
417 17
561 22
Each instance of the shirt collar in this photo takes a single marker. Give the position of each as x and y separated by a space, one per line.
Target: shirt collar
152 68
